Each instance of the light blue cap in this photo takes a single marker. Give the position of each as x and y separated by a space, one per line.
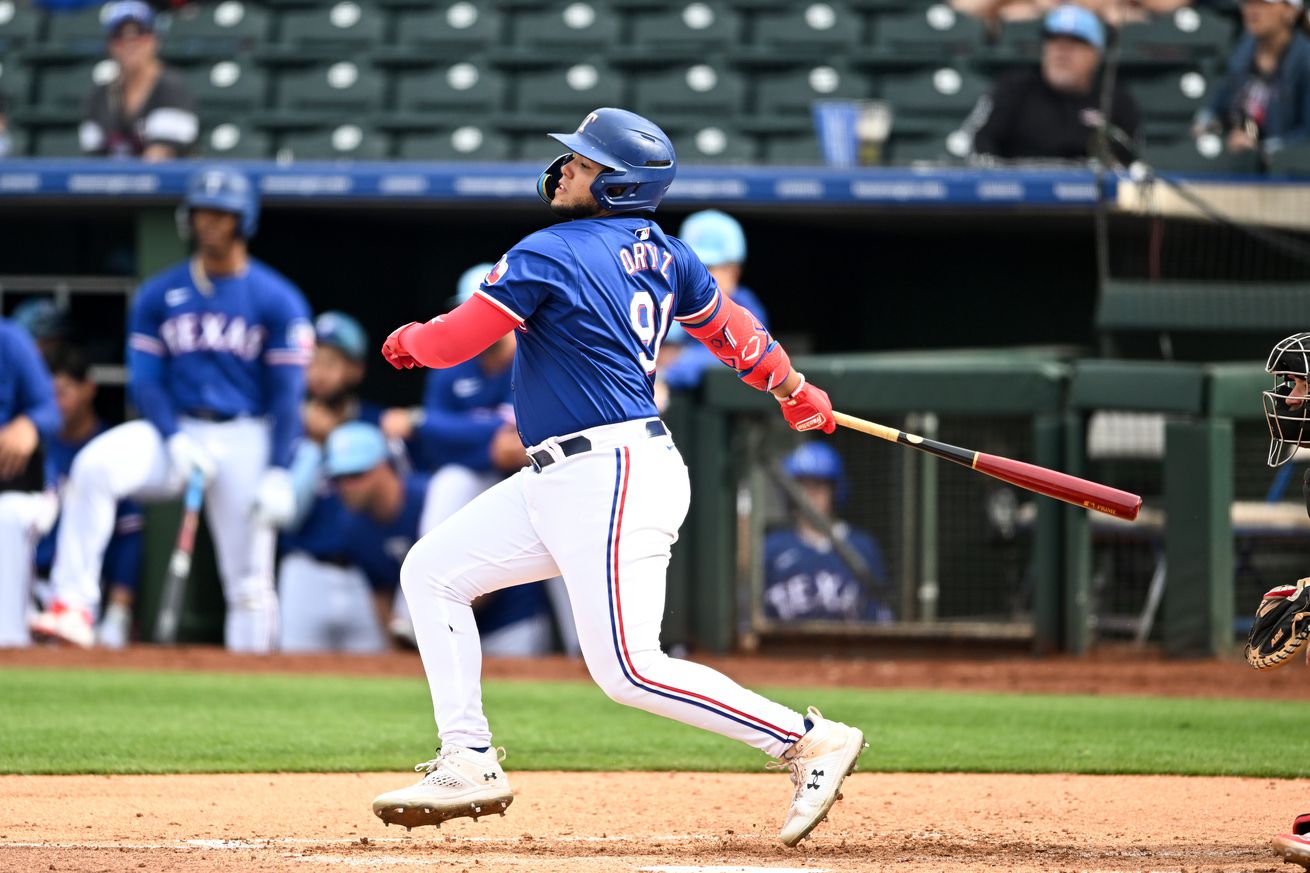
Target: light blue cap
116 14
353 448
715 237
340 331
469 282
1077 22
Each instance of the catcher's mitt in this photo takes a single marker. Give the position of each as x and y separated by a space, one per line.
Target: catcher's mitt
1281 626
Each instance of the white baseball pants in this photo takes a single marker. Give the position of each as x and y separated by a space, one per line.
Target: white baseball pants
605 520
22 517
131 460
326 608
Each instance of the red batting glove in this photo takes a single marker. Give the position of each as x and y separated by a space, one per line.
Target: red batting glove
394 349
808 408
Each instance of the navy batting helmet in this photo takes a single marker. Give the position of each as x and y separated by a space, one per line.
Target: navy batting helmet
225 190
817 461
638 159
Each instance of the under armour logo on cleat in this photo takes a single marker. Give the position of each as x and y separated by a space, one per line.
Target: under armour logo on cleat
815 774
490 777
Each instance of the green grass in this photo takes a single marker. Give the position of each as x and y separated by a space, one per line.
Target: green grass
58 721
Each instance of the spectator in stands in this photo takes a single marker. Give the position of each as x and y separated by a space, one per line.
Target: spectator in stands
719 241
1053 111
75 395
1116 12
46 321
465 431
1264 100
387 511
147 110
323 597
29 417
806 575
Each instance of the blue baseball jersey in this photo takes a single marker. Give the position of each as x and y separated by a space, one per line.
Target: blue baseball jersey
688 368
221 347
122 563
463 407
594 298
804 579
25 384
379 549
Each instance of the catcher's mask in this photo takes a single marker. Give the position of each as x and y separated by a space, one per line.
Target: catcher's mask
1289 423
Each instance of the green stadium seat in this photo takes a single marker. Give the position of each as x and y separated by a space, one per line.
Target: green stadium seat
790 94
533 146
810 30
236 139
343 26
467 88
563 95
572 25
228 85
15 81
76 34
1174 96
945 91
222 30
1186 156
935 33
1018 43
465 143
933 148
350 142
714 144
797 149
19 141
56 142
61 90
461 26
330 89
1181 37
19 26
1293 161
680 30
699 93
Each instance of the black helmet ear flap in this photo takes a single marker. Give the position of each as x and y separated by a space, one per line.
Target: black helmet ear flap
548 181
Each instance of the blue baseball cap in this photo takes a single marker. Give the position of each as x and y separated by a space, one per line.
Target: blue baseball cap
469 282
114 15
341 332
353 448
1076 22
715 237
42 318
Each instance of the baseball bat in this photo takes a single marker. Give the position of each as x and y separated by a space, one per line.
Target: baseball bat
1052 483
179 563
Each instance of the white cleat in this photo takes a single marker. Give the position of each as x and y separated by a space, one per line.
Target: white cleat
64 624
459 782
115 627
818 761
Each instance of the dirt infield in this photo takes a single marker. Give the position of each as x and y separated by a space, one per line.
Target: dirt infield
602 822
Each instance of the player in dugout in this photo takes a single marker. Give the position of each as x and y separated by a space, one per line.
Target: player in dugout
217 349
591 299
1282 621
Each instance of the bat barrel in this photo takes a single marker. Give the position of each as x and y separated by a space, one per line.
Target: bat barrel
1061 486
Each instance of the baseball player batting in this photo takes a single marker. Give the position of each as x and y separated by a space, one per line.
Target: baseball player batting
217 347
601 503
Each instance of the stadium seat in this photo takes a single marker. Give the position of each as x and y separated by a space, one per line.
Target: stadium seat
61 90
1173 96
223 30
800 149
675 30
465 88
343 142
941 92
1018 43
714 144
789 95
465 143
563 95
1293 161
935 33
19 142
345 26
934 148
15 82
228 85
696 93
1186 156
56 142
235 139
329 90
1181 37
571 26
813 31
76 34
19 26
461 26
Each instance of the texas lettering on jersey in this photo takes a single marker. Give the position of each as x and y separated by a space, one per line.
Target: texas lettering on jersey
212 332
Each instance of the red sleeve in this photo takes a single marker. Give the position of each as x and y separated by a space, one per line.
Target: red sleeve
453 338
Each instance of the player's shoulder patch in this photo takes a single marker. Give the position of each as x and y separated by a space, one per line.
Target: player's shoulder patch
498 271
